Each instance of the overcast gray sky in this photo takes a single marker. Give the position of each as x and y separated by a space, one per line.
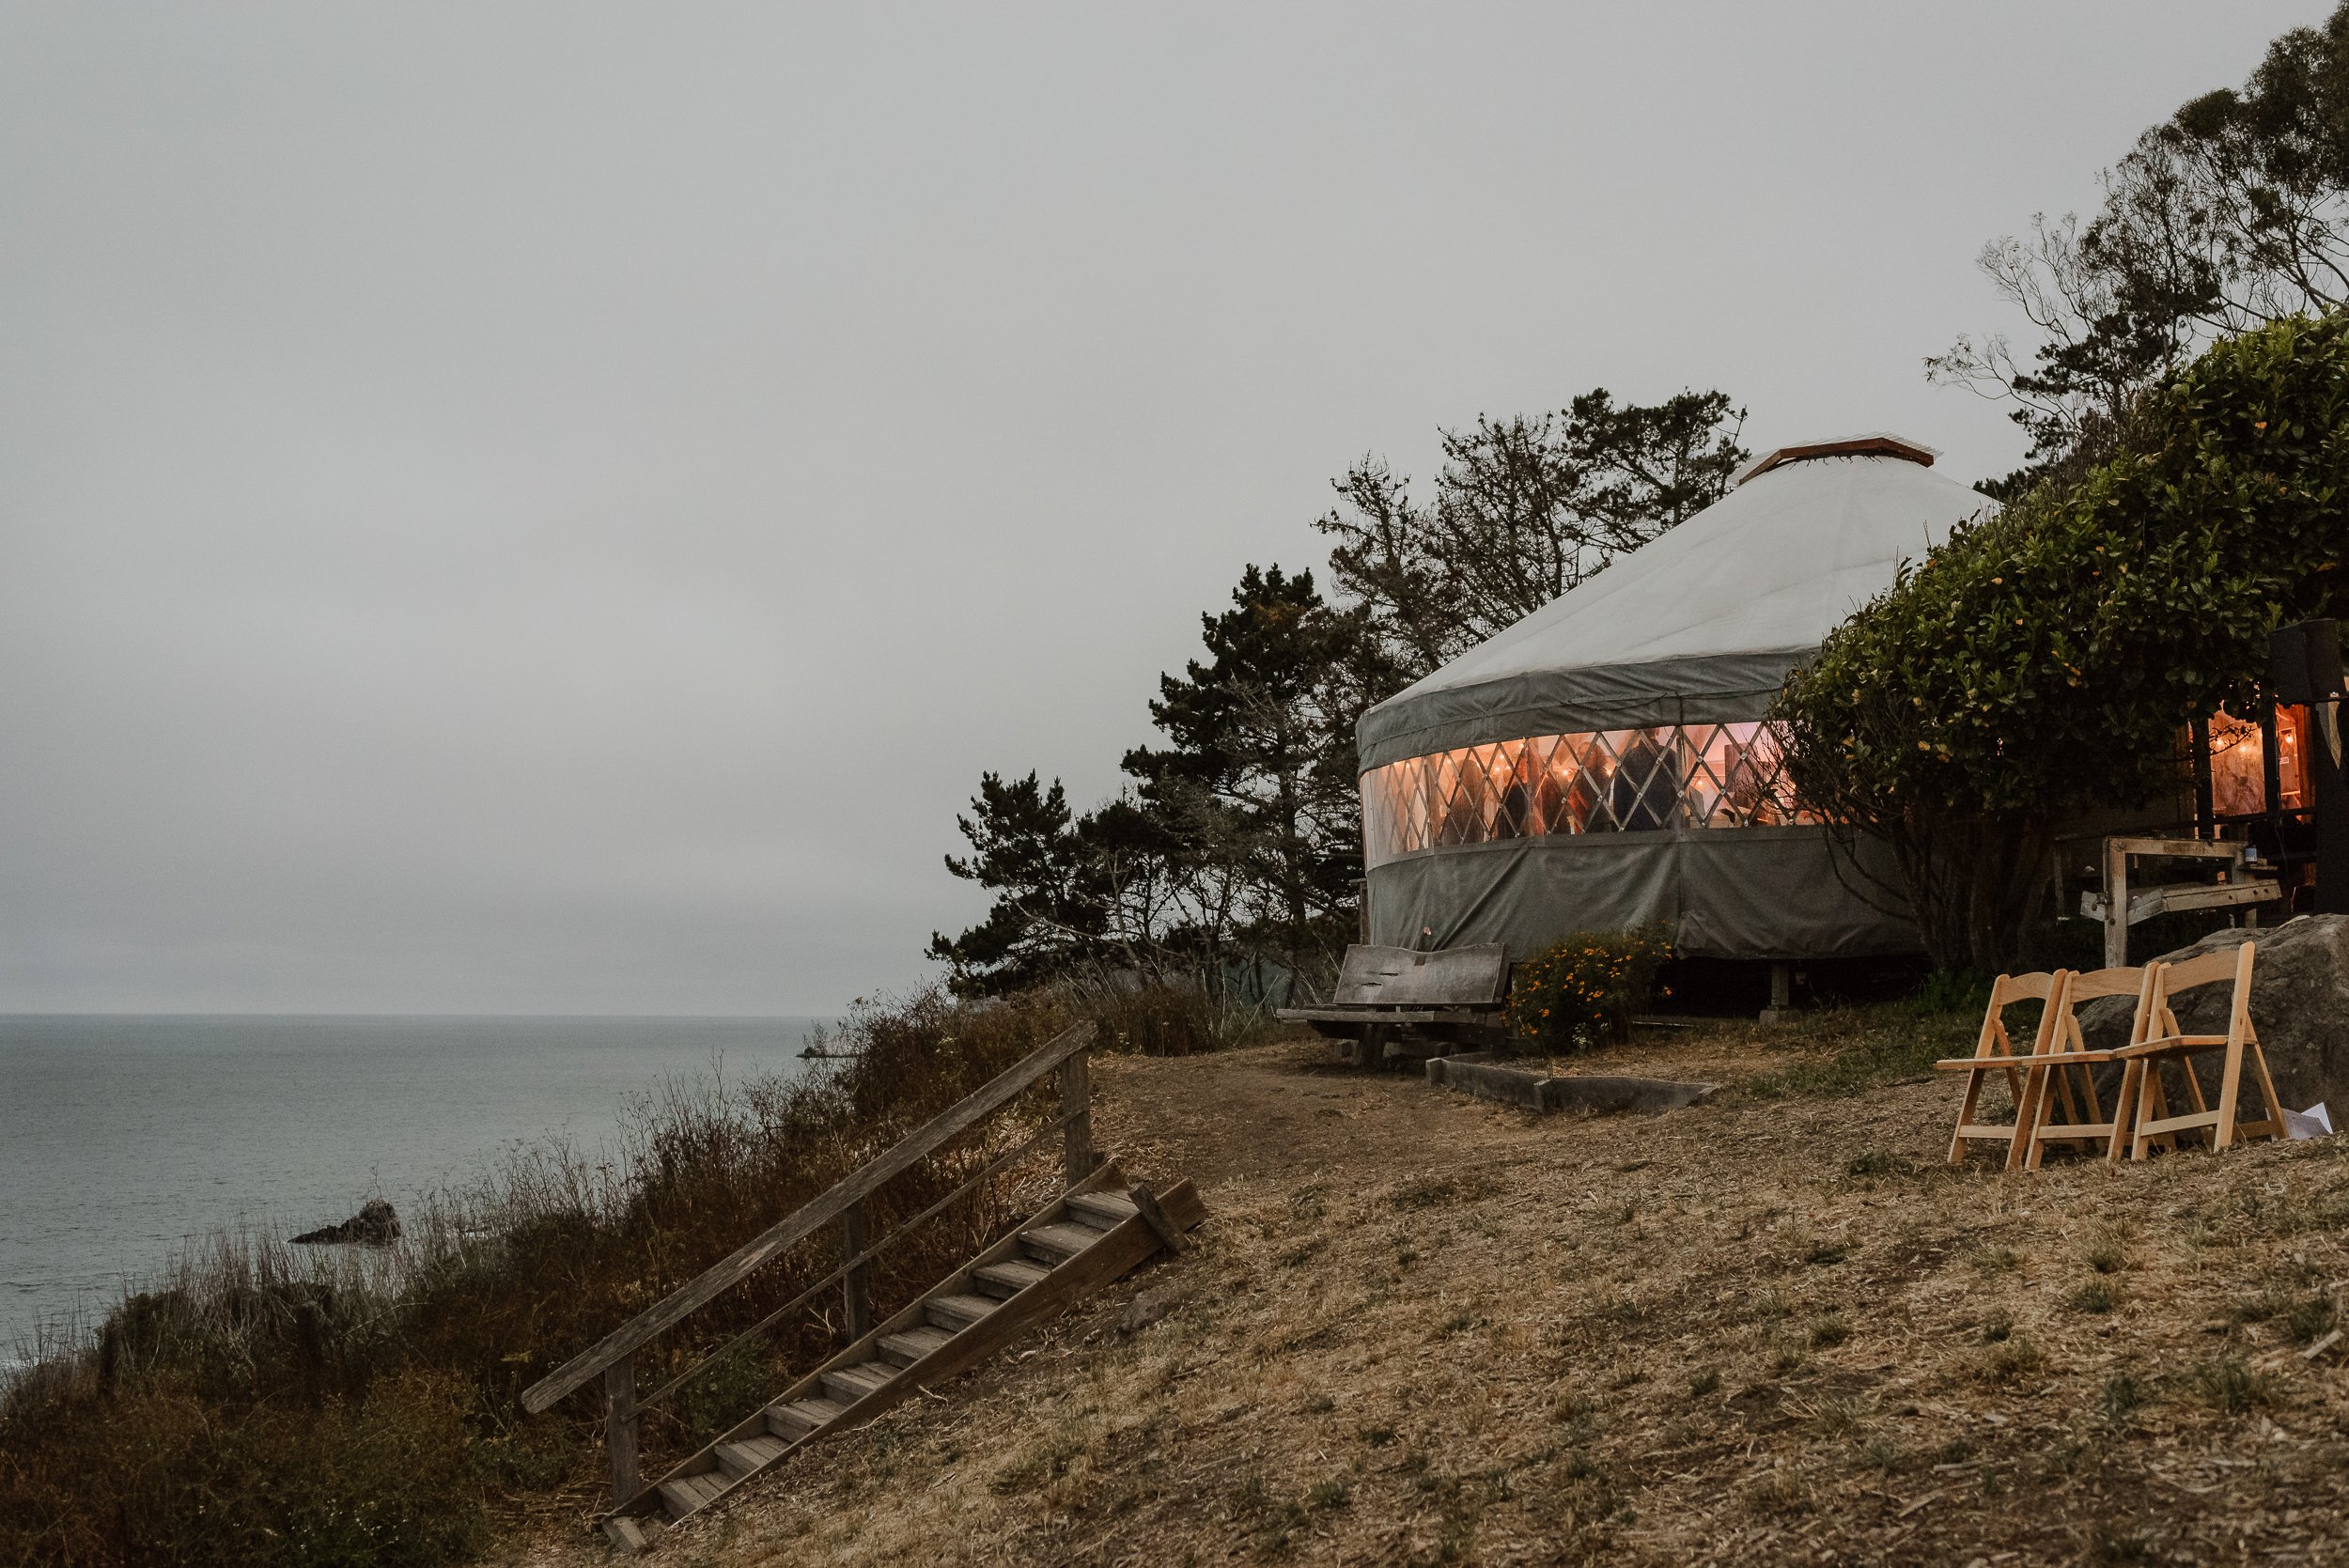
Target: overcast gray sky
551 508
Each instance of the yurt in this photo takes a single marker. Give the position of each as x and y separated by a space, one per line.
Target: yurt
1602 763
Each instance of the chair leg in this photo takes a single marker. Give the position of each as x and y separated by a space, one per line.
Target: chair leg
2267 1092
2193 1081
2064 1089
2153 1104
2030 1145
2088 1091
2030 1107
1965 1116
2125 1109
2230 1092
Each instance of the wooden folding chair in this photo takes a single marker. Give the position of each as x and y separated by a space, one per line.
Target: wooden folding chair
2049 1079
2145 1101
1993 1052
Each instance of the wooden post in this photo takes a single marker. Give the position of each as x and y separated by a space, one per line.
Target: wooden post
109 1358
1782 1007
310 1344
853 1241
1076 1103
2205 807
1146 1204
2116 878
619 1426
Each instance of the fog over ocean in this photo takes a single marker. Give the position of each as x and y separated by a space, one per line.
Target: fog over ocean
123 1134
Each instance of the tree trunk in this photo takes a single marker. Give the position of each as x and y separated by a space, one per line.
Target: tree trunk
1974 887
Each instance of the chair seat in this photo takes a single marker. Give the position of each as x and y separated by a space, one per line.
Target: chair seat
2173 1044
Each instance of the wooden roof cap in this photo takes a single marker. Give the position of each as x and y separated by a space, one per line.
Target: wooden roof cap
1876 443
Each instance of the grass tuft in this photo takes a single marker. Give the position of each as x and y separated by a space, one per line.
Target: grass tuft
2230 1386
2125 1393
2013 1358
2097 1295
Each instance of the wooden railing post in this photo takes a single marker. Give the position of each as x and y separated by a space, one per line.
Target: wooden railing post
853 1241
1076 1103
2116 869
619 1426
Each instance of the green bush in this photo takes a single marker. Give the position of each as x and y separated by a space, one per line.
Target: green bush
1581 993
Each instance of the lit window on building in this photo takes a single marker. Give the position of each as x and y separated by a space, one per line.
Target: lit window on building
1604 782
2238 764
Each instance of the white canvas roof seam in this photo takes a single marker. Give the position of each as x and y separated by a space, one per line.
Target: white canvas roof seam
1724 603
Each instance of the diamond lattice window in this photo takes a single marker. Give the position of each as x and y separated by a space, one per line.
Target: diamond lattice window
1608 782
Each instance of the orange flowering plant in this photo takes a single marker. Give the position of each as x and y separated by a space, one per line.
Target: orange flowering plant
1581 993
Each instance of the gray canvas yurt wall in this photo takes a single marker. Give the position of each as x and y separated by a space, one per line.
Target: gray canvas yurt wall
1602 763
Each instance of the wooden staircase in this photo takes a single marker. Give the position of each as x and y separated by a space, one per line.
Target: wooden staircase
1087 1238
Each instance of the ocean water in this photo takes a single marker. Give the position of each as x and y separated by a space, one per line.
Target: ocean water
123 1136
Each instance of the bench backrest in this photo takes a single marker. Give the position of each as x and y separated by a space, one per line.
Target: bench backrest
1398 977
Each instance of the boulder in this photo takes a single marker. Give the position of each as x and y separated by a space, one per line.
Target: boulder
2299 1005
374 1225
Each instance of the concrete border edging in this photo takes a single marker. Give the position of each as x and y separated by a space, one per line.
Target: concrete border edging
1476 1073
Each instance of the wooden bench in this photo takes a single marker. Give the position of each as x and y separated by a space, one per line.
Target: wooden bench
1384 994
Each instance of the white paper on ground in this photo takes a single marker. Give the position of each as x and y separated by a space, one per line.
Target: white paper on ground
2315 1122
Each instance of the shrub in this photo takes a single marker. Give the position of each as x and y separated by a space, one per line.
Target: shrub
1172 1019
1954 991
1581 993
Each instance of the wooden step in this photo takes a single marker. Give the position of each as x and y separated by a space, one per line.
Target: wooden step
850 1384
1105 1209
955 1314
634 1532
689 1493
740 1459
911 1347
1008 1277
1058 1241
796 1420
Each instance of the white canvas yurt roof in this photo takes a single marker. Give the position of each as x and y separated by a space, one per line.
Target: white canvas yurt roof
1702 624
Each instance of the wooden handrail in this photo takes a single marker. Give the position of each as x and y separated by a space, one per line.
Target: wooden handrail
1035 1142
764 1248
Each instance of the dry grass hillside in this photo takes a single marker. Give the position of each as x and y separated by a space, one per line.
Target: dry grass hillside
1774 1328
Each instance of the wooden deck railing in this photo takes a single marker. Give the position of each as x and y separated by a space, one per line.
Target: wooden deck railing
613 1357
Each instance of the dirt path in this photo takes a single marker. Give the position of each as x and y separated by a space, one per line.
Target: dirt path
1278 1114
1421 1329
